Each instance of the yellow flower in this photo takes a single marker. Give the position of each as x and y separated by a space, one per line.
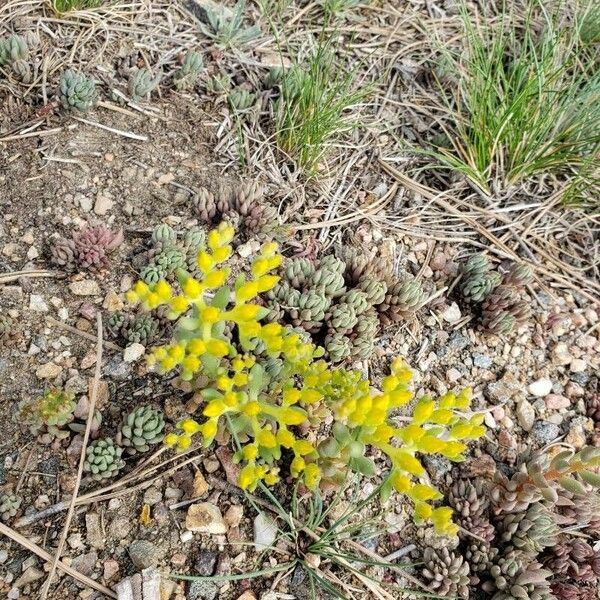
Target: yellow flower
215 279
192 288
251 409
422 511
401 483
222 254
269 248
271 478
209 429
442 521
204 261
303 447
163 290
250 452
244 312
246 291
210 314
171 439
179 304
217 347
189 426
421 491
285 438
292 416
266 283
409 463
196 346
214 408
297 466
260 266
423 410
184 442
312 475
190 363
248 476
266 438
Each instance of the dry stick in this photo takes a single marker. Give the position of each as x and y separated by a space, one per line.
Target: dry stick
127 134
86 437
29 545
499 247
83 334
14 275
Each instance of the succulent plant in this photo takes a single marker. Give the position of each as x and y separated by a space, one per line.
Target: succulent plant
331 282
480 556
357 299
309 310
333 264
22 69
574 559
205 205
530 531
298 272
402 298
77 91
152 273
570 591
249 203
142 428
518 275
9 506
48 413
163 235
374 289
516 578
581 511
342 318
194 241
446 572
141 83
190 70
141 329
170 259
471 504
6 325
227 30
476 288
364 334
338 346
219 83
13 49
88 249
92 244
241 99
476 265
103 459
503 309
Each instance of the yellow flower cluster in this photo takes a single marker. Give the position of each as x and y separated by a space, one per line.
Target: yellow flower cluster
220 335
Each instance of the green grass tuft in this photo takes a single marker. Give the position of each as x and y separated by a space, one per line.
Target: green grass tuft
313 106
525 102
62 6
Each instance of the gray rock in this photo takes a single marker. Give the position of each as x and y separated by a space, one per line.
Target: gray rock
202 590
458 341
265 532
85 563
117 369
580 378
437 466
205 563
544 432
144 554
482 361
525 415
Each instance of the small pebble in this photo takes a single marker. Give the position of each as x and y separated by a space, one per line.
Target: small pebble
540 388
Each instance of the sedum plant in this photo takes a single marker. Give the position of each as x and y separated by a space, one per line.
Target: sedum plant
141 83
103 459
188 74
48 413
229 31
142 428
220 335
77 91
